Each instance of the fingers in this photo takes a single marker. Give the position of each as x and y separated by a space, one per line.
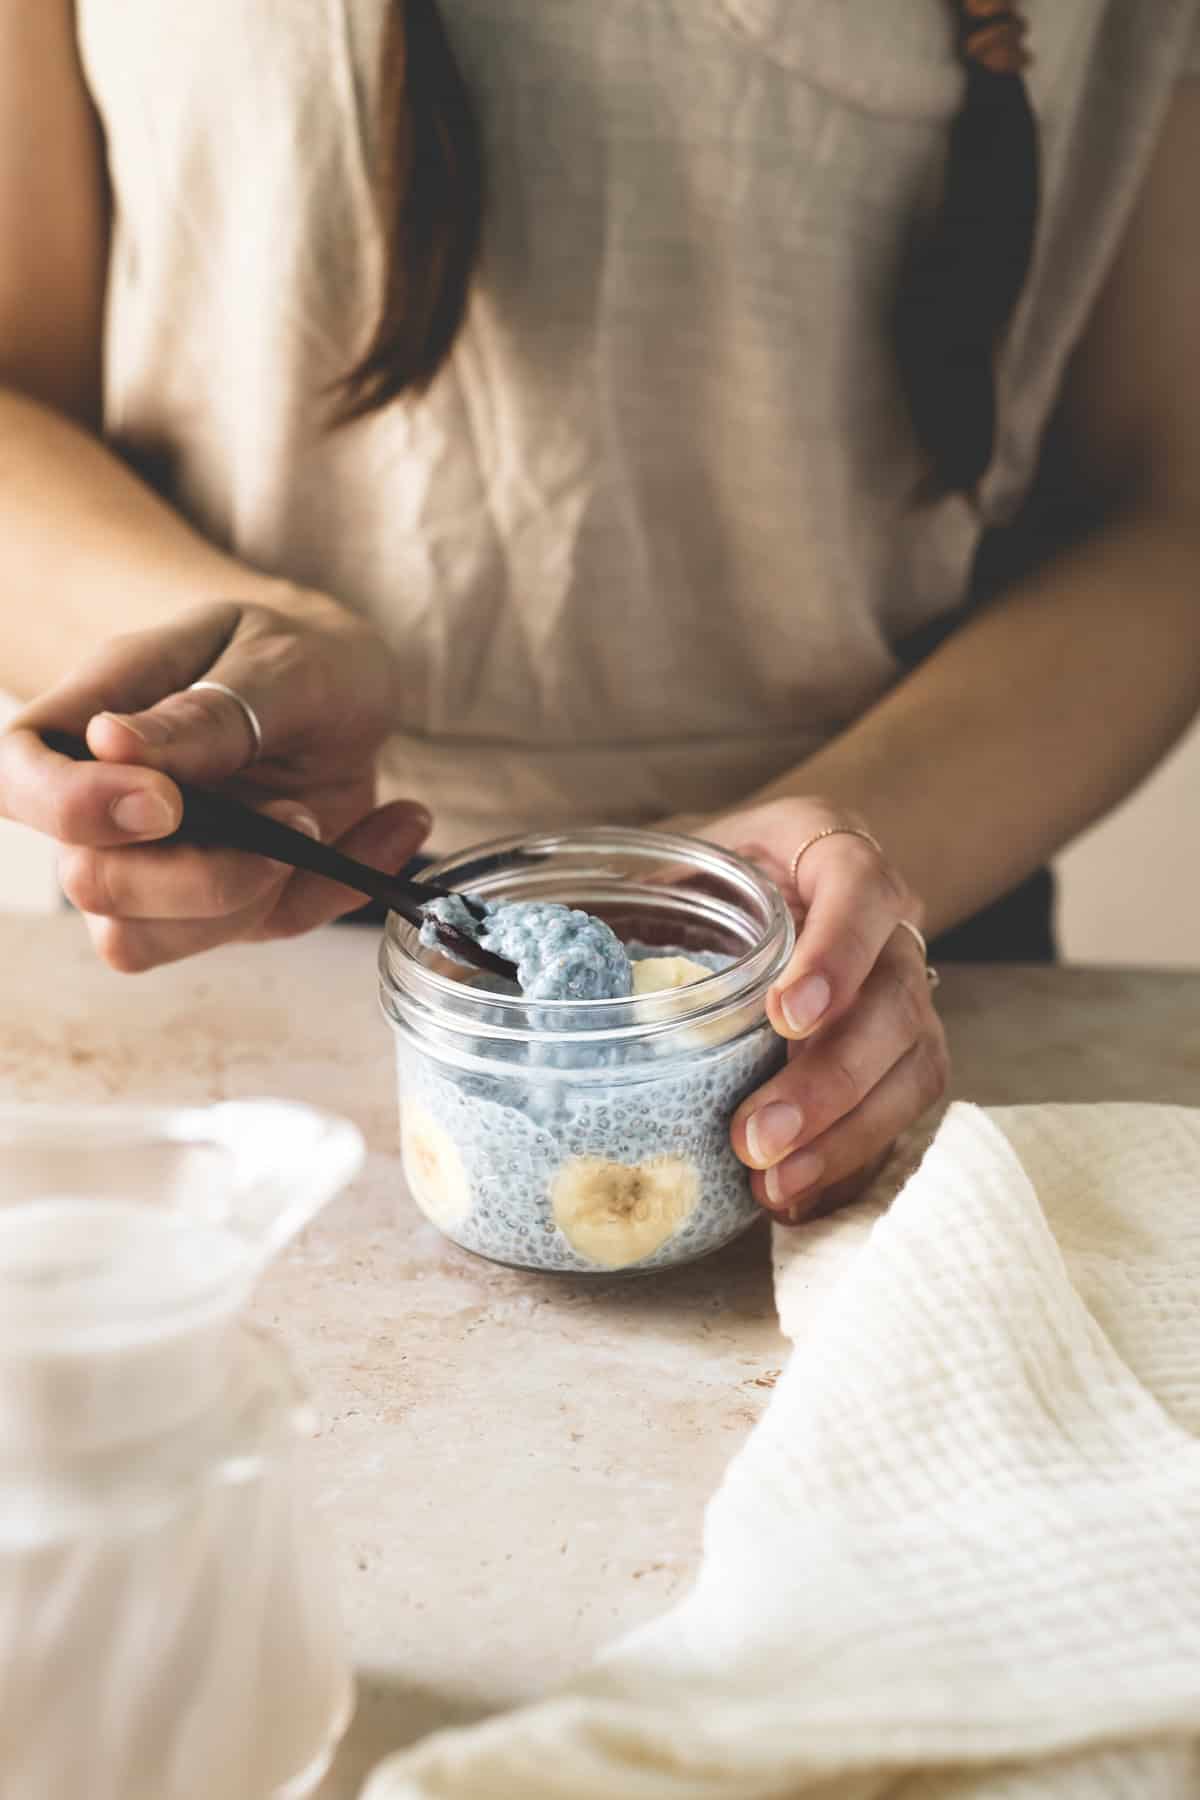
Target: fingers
136 703
796 1187
137 668
132 946
252 897
320 685
316 680
852 901
199 735
94 804
838 1069
103 805
844 1094
296 676
387 839
167 881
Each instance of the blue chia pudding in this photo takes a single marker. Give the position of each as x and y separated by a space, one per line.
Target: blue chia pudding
575 1148
560 952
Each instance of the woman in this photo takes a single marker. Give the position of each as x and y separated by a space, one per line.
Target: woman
658 499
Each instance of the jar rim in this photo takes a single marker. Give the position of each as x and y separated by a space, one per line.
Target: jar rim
406 975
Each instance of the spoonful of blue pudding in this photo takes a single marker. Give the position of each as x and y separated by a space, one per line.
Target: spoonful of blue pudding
560 952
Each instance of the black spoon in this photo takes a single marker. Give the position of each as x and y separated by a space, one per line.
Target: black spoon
214 819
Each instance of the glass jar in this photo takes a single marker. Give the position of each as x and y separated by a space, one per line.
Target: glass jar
168 1610
593 1137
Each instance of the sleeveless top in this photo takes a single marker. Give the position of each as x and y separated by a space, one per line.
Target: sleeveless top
652 536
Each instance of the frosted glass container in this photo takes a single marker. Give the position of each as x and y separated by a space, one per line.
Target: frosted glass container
168 1614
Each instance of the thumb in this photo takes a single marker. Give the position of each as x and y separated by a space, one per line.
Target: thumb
208 732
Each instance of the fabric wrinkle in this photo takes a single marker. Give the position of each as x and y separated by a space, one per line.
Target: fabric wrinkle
653 532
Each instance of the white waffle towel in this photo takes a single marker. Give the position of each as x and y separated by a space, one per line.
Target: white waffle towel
960 1554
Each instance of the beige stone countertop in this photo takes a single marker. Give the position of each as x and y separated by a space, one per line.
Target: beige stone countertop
516 1466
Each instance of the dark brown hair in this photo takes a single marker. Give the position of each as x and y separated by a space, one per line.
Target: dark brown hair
963 276
956 293
429 184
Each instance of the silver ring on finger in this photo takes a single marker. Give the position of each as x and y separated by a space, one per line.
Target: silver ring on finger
248 713
918 937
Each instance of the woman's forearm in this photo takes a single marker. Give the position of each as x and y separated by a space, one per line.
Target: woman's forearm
87 550
1030 722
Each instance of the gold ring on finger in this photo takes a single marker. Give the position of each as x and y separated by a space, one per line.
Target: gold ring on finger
832 831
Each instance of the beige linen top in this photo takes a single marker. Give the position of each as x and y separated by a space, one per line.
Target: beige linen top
651 537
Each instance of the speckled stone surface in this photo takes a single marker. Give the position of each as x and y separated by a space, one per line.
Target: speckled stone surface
515 1465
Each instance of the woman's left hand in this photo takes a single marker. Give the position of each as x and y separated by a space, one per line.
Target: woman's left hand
867 1051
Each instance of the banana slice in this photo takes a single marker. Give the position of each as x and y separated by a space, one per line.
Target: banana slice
659 974
618 1213
433 1168
652 974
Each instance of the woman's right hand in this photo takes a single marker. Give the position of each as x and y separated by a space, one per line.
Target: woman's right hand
323 687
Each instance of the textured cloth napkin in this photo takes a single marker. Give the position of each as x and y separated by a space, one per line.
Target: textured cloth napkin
960 1554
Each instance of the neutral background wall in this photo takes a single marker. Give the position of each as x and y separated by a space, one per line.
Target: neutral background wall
1130 889
1131 886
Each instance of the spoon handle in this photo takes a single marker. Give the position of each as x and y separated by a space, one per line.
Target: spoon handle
210 818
